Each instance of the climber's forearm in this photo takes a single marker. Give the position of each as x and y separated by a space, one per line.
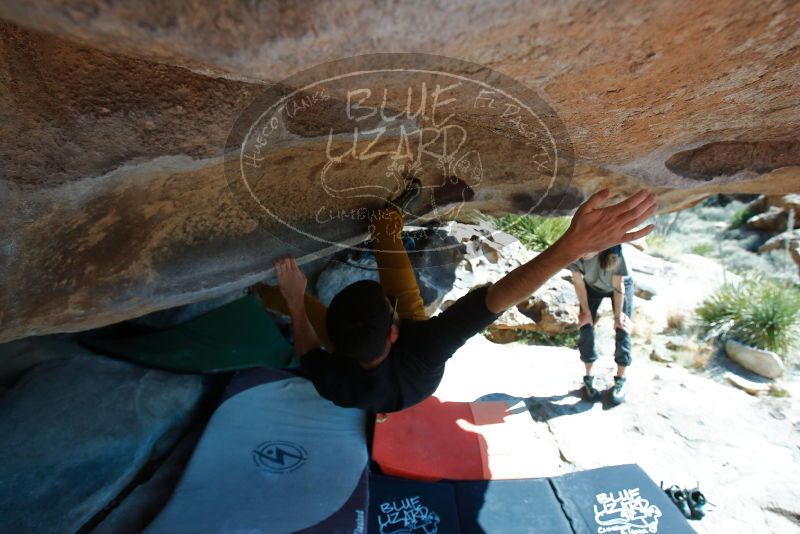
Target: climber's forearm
305 338
523 281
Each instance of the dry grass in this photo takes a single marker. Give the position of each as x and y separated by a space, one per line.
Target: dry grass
676 321
702 355
643 329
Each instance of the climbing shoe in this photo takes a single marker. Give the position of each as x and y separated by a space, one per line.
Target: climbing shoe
680 498
697 503
618 391
589 391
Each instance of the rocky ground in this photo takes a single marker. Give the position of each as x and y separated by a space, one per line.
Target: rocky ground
693 414
745 234
79 432
680 425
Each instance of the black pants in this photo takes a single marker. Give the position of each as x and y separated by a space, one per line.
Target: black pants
622 349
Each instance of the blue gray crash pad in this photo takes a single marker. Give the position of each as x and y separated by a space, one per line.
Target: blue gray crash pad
275 457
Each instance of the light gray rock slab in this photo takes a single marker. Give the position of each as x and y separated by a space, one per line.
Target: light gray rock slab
76 430
139 508
750 386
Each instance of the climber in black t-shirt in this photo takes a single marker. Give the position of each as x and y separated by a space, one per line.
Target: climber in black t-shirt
375 349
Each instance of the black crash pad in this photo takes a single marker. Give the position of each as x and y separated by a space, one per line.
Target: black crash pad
617 500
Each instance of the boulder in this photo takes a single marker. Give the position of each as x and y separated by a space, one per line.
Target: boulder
491 254
761 362
509 326
790 202
488 255
77 429
553 307
774 219
784 202
340 273
644 290
759 205
502 336
434 255
789 239
117 196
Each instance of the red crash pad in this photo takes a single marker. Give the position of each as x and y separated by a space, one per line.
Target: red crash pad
435 440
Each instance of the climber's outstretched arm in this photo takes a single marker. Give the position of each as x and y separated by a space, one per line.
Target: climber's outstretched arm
292 284
593 229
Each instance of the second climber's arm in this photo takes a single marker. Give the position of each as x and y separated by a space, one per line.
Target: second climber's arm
584 314
619 296
621 320
292 284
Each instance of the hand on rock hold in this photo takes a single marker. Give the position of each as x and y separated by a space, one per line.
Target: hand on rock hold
291 281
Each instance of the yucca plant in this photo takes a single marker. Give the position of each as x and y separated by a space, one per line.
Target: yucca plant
772 320
718 312
759 312
741 216
534 231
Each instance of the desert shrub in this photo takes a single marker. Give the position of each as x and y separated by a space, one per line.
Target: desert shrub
778 391
655 240
534 231
740 217
537 337
702 249
760 312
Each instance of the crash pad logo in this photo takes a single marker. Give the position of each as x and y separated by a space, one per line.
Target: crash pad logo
279 456
625 512
407 516
317 154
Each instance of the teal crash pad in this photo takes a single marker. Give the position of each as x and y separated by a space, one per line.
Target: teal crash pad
238 335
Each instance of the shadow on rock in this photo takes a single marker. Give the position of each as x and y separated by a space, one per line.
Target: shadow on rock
543 408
